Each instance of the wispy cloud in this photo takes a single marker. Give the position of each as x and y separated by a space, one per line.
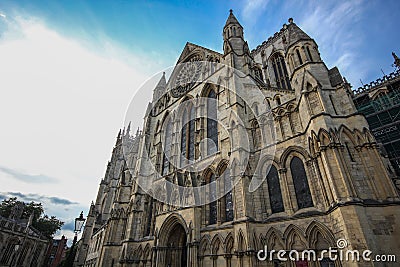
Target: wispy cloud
37 198
3 15
28 178
252 9
64 209
333 26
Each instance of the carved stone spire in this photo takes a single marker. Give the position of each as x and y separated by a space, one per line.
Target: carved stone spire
396 63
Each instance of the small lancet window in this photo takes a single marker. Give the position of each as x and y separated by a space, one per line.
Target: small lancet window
299 56
309 54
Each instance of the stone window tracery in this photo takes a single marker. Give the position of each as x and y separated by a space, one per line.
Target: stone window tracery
301 187
188 134
167 146
228 199
280 71
213 210
274 190
212 124
299 57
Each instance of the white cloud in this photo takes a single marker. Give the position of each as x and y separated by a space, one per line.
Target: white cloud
252 10
331 25
61 107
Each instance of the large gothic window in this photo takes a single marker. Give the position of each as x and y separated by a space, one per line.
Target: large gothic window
280 71
228 199
301 187
212 125
167 146
256 133
149 215
187 134
212 196
274 190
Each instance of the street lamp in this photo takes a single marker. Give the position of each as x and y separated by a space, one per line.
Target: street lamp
79 223
78 227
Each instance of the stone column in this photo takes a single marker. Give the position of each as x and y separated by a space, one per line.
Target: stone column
286 192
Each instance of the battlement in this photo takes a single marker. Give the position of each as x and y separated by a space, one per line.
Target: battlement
378 82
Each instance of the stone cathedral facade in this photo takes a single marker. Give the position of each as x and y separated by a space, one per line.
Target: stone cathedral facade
326 179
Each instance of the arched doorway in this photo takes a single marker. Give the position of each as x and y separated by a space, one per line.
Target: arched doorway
176 247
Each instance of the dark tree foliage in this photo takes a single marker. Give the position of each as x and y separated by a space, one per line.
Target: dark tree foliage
40 221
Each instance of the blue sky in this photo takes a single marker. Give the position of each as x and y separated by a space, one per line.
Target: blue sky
70 68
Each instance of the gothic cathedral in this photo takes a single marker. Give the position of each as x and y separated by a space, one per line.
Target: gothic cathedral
325 180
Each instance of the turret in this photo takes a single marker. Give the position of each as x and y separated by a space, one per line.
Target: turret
159 90
233 32
236 49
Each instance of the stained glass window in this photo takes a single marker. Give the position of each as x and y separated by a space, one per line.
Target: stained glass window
280 71
228 197
301 187
212 125
274 190
213 204
167 146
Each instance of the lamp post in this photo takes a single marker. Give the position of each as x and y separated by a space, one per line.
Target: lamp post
78 227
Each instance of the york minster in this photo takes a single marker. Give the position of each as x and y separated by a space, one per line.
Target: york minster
241 150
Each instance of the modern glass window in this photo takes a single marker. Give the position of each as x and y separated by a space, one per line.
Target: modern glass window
301 187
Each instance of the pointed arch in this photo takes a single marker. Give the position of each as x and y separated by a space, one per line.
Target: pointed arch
187 131
313 143
359 137
273 239
294 238
212 195
280 70
222 166
324 137
212 122
205 245
137 255
256 135
229 243
344 131
241 241
301 184
216 244
369 136
167 143
169 223
312 231
147 252
226 184
348 139
299 150
274 190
